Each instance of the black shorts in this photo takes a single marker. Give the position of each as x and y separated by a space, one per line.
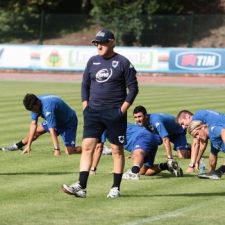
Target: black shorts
111 120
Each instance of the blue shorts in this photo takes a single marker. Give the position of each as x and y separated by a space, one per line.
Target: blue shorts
68 134
110 120
148 145
180 142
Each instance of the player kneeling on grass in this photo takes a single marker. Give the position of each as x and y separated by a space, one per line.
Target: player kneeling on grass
143 146
216 135
60 119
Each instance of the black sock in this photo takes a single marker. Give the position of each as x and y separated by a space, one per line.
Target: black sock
163 166
135 169
117 177
83 178
20 144
221 169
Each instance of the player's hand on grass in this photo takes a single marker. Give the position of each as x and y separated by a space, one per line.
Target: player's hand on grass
56 152
190 170
26 150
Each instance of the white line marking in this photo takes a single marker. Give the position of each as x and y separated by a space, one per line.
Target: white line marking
171 214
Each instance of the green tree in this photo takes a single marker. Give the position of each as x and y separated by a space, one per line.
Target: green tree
130 18
134 21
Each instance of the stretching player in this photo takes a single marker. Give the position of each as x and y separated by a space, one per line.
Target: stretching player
143 145
166 127
216 135
209 117
60 119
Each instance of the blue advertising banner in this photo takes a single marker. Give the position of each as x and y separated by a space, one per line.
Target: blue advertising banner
197 60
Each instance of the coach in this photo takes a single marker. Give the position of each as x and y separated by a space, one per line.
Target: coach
106 79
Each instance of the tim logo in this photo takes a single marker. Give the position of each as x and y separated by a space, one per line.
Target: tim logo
103 75
198 60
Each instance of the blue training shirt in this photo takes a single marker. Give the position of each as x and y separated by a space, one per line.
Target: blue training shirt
209 117
164 124
215 137
134 135
56 112
105 82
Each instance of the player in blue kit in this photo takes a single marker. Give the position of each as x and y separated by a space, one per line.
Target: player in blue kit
143 145
209 117
216 135
167 128
109 87
60 119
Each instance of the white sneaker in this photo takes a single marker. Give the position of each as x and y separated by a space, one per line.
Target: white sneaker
74 189
13 147
107 151
114 193
174 168
130 176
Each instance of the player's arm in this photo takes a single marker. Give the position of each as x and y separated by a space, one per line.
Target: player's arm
162 131
197 150
167 146
202 148
32 131
194 152
55 141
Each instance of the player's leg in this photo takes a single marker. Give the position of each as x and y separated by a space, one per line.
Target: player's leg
149 168
69 138
96 158
137 157
150 171
20 144
181 146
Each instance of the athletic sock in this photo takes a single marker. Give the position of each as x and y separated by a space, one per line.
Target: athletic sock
83 178
221 170
117 177
20 144
135 169
163 166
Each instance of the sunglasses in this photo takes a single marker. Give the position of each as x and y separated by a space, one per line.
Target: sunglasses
100 43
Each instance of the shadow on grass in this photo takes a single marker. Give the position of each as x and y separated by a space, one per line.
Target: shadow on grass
196 194
37 173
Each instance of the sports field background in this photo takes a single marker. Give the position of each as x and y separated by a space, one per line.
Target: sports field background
30 185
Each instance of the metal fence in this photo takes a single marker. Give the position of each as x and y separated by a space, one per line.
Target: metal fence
159 30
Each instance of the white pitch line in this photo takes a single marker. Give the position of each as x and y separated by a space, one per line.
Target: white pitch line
171 214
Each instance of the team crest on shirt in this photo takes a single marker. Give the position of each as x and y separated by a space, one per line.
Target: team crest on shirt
47 114
121 139
115 64
103 75
157 124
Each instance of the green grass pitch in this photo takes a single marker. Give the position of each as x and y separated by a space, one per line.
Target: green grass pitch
30 185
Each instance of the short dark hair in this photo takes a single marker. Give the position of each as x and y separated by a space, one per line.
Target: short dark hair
29 101
182 113
140 108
